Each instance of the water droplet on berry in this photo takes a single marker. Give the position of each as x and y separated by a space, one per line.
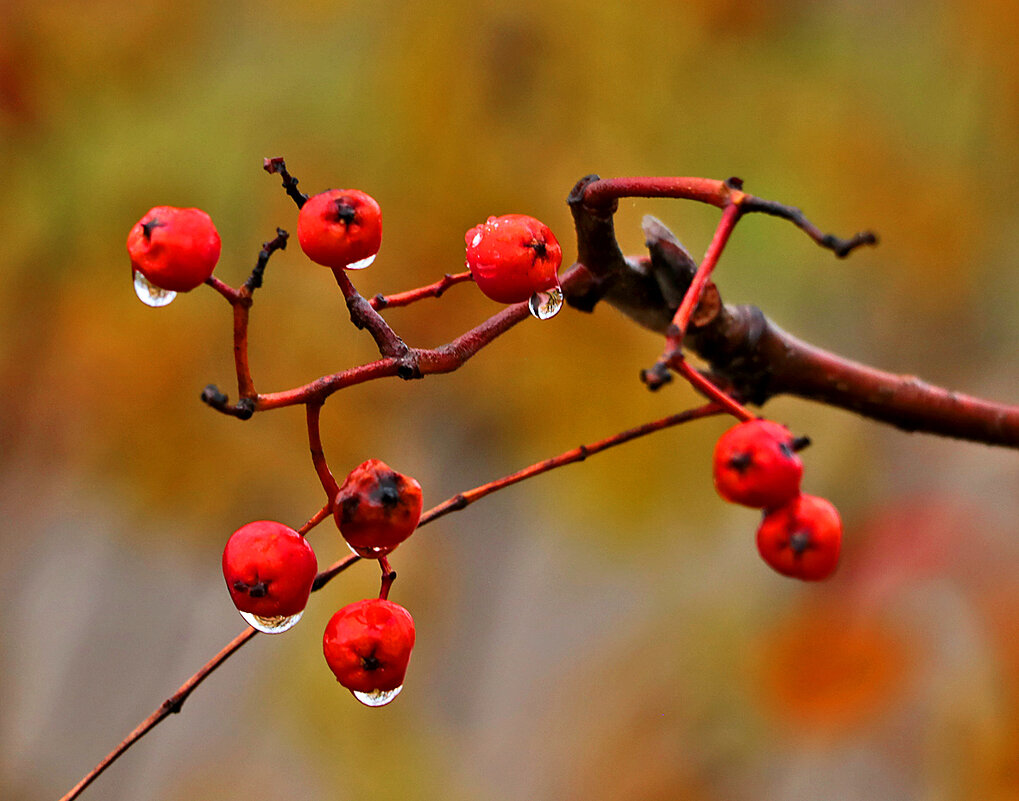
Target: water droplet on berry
368 553
377 697
272 625
150 294
545 305
362 263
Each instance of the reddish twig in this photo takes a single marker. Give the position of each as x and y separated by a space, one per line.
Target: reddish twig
363 315
435 290
416 362
579 454
318 457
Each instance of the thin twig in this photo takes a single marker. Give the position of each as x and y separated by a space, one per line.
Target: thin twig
435 290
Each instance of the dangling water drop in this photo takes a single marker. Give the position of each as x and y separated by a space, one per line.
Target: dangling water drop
377 697
272 625
368 553
150 294
545 305
361 263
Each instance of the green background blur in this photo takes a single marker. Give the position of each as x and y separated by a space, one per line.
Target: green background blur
606 631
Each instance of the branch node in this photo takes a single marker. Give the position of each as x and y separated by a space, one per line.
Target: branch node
657 376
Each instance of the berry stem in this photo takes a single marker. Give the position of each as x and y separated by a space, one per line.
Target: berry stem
435 290
674 337
318 457
388 577
708 388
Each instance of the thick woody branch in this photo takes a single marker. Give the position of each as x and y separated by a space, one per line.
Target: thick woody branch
748 353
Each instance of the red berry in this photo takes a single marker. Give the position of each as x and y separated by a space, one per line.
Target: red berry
512 257
269 569
756 465
802 539
377 508
340 228
367 646
175 249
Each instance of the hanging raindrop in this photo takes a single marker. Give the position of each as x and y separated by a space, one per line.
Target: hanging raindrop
361 263
545 305
272 625
150 294
377 697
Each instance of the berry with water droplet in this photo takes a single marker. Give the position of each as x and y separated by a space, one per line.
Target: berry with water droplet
367 646
269 569
514 257
340 228
755 464
377 508
802 539
172 250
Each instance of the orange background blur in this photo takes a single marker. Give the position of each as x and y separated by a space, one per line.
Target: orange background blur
606 631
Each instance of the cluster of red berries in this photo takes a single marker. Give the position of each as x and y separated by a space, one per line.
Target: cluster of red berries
270 569
756 464
512 258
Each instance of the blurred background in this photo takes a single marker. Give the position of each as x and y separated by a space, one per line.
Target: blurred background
605 631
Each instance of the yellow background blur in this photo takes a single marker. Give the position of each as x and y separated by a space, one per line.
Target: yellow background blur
606 631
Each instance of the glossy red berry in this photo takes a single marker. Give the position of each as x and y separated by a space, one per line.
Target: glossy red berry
174 249
377 508
512 257
269 569
340 228
802 539
756 465
367 646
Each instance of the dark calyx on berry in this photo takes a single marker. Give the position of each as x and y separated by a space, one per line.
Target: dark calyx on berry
539 248
799 541
387 492
345 213
257 590
741 462
149 226
370 662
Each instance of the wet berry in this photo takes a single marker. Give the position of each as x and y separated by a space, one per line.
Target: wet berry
269 569
367 646
377 508
174 249
340 228
513 257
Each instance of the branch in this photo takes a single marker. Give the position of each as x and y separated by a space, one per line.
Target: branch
435 290
745 350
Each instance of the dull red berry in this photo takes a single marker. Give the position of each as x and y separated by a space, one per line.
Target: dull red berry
340 228
269 569
802 539
755 464
174 249
367 646
514 257
377 508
